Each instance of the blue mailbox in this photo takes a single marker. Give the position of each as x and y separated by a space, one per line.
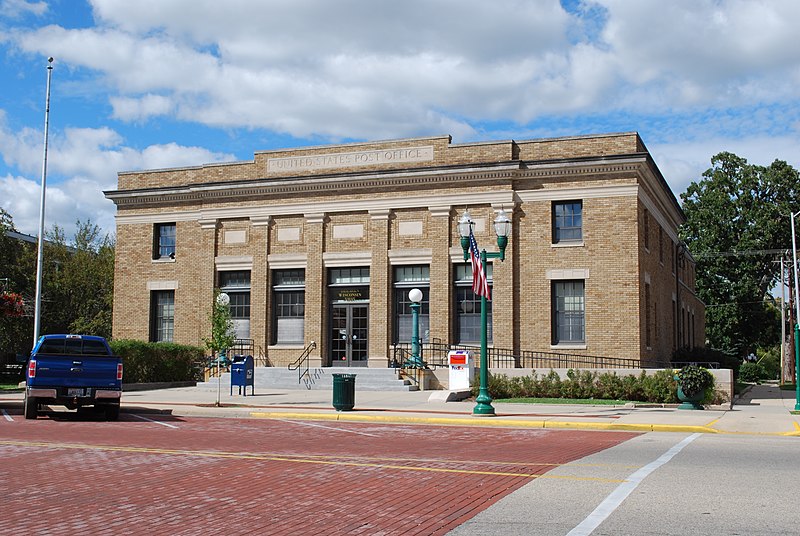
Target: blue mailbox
242 373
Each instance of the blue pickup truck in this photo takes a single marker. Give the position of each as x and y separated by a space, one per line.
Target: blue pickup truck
73 371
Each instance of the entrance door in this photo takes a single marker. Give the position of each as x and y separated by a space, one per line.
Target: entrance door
349 323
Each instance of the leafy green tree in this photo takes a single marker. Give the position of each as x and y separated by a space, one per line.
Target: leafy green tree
222 332
16 275
78 281
736 214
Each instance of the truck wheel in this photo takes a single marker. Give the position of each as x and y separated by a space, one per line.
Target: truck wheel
112 412
31 407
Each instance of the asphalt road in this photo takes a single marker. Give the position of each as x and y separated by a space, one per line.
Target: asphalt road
157 474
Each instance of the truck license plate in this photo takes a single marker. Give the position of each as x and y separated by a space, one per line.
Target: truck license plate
74 392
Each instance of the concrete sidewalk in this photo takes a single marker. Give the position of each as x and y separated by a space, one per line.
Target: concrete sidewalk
762 410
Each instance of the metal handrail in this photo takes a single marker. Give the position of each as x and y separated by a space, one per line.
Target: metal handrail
297 365
436 355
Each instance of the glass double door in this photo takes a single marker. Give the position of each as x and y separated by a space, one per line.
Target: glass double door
349 335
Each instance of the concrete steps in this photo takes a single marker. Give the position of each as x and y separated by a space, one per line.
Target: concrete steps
367 379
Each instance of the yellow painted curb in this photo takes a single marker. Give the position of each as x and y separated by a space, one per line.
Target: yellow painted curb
487 421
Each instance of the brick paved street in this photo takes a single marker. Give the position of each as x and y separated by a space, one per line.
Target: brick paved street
156 474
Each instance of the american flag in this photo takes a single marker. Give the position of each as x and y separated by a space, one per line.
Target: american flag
480 285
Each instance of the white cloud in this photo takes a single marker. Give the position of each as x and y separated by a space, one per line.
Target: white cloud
682 163
16 8
82 163
348 69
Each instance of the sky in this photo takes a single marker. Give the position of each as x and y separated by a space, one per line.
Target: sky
150 84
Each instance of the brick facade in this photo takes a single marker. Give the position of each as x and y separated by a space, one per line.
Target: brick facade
386 204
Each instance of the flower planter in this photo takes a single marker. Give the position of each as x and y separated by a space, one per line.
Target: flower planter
690 402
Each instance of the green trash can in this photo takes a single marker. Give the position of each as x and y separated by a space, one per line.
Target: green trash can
344 392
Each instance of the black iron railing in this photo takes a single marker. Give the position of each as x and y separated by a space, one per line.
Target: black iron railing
435 353
301 366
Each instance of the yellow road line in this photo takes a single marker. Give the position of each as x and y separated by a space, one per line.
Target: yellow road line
292 459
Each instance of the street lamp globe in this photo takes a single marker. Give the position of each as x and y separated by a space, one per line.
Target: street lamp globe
465 224
415 295
502 224
223 299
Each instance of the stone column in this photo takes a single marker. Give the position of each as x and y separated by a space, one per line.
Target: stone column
316 320
260 286
380 315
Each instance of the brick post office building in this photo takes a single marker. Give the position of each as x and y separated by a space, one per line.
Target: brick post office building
324 243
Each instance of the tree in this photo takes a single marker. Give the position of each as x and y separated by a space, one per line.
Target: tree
78 283
222 332
16 277
737 216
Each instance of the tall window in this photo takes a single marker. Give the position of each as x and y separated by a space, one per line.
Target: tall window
568 312
236 284
164 241
567 221
162 315
289 299
468 306
405 279
647 229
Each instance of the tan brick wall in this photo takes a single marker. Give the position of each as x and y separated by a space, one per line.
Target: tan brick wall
612 251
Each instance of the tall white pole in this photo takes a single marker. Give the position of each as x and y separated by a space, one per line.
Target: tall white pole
37 318
794 263
783 320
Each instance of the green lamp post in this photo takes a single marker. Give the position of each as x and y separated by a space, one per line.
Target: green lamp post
502 228
415 295
796 321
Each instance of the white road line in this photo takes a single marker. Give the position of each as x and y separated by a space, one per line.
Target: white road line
157 422
612 502
7 416
328 427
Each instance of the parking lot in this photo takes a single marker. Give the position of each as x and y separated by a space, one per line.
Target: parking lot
157 474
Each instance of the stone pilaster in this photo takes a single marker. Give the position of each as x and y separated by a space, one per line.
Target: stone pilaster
316 319
260 284
380 277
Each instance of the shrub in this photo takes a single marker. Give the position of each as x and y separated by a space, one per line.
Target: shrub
659 387
146 362
752 372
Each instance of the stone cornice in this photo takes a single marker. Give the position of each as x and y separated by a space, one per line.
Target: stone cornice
293 186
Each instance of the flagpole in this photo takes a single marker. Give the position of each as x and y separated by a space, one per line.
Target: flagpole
40 256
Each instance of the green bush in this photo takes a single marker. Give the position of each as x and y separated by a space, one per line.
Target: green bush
752 372
770 359
659 387
146 362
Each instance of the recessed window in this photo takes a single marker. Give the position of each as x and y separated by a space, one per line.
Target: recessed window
568 312
236 284
468 306
405 279
567 221
162 315
164 241
288 298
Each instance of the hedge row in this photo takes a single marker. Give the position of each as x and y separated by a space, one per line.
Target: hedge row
146 362
659 387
